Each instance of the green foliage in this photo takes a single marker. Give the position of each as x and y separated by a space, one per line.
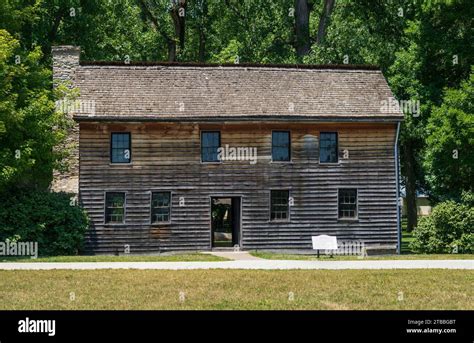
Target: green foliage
113 30
449 158
43 217
435 52
467 198
363 31
449 229
425 62
229 54
27 117
262 30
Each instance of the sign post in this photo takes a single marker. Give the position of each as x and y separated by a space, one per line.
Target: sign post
324 242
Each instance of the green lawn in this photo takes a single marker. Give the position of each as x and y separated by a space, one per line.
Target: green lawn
407 238
131 258
237 289
277 256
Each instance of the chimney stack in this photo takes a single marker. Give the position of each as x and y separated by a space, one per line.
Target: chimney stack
65 63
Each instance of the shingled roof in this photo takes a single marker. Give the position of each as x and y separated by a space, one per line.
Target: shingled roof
234 92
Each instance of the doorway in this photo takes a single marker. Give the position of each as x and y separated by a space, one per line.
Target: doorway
225 222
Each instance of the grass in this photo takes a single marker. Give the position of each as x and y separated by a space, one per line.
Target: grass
190 257
237 289
278 256
407 238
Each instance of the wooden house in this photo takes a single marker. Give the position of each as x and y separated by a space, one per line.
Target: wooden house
315 152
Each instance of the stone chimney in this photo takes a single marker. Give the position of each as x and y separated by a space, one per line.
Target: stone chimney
65 64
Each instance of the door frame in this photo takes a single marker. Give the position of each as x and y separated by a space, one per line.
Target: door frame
230 196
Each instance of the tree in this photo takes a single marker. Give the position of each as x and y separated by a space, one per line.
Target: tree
302 40
361 32
303 10
262 30
202 14
449 161
153 12
404 79
27 117
324 20
435 52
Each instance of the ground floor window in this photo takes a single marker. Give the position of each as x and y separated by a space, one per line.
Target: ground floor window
347 203
279 205
114 207
160 207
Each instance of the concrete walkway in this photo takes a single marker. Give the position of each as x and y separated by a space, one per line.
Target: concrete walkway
234 255
246 264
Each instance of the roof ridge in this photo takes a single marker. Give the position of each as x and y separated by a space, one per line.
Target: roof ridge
233 65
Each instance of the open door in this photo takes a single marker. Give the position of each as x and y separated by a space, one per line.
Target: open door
225 222
236 221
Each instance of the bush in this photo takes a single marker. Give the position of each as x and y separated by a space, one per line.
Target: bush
449 229
43 217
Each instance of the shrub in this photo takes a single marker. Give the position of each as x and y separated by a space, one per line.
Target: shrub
449 229
467 198
43 217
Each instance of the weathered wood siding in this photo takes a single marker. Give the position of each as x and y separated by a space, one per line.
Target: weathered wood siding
166 156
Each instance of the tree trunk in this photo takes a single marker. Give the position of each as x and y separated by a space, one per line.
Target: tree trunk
410 186
54 28
303 44
178 14
324 20
202 46
170 41
202 31
171 50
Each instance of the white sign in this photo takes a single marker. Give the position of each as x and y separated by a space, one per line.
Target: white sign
324 242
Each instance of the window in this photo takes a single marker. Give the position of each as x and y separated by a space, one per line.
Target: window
347 203
328 147
279 209
114 207
210 142
120 147
160 207
281 145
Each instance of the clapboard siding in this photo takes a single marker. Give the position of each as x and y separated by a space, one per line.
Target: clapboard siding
166 156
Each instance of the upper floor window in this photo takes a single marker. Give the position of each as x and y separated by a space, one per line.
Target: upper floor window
281 146
347 206
279 205
114 207
120 151
328 147
210 143
160 207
